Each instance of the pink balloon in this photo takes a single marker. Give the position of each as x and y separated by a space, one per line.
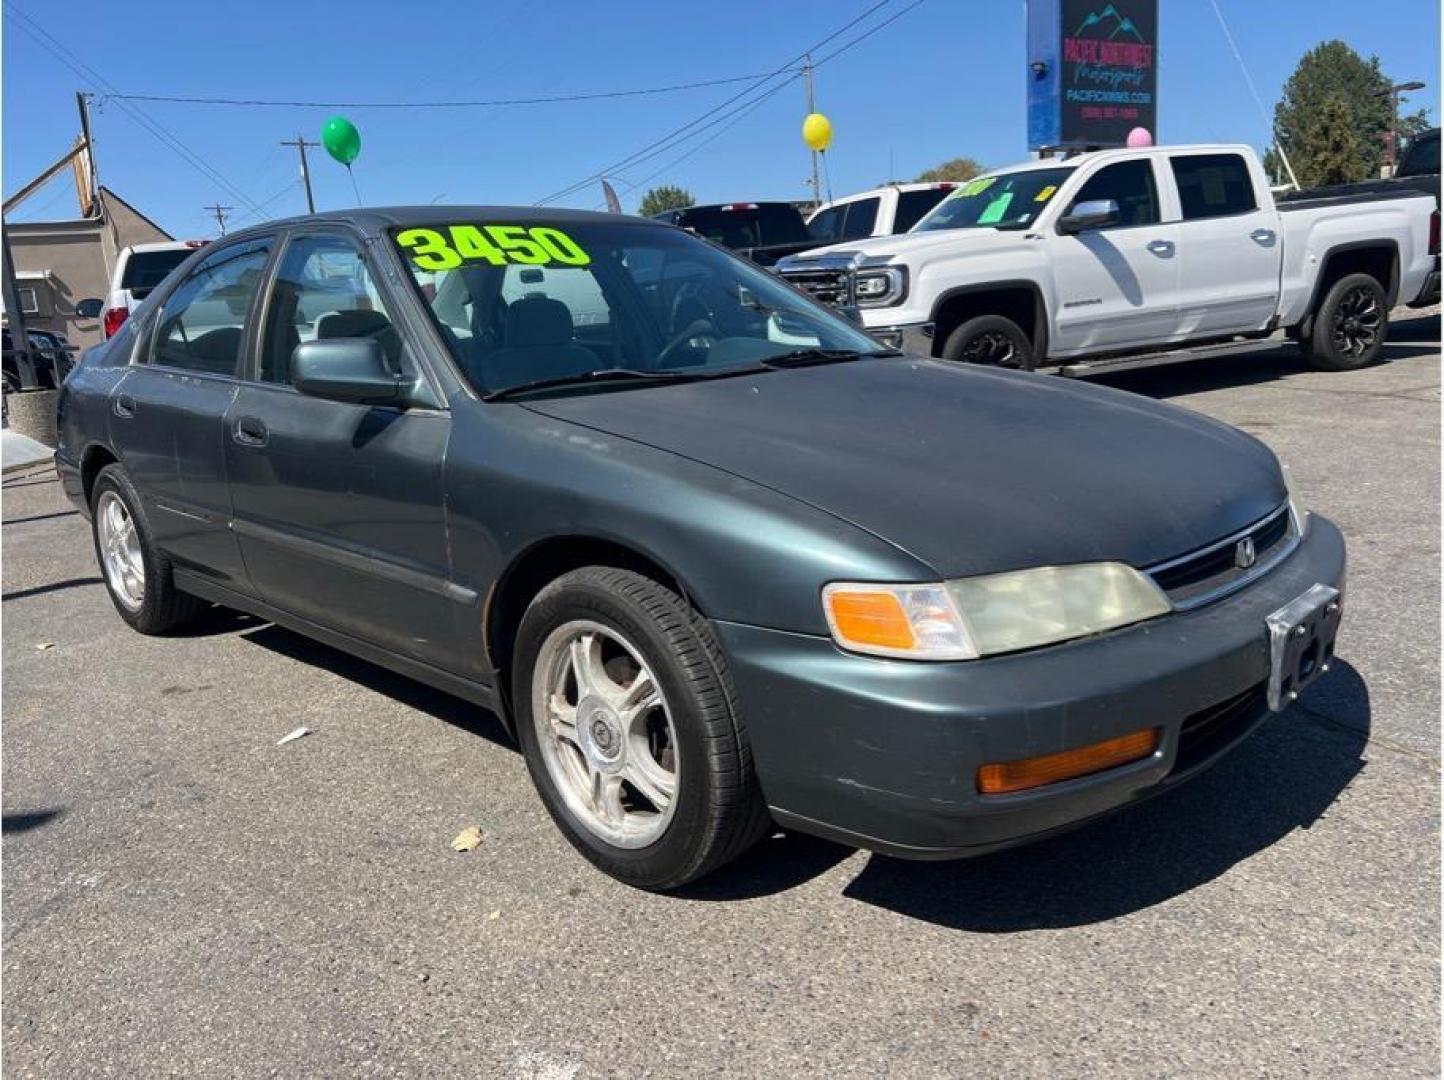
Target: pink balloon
1138 138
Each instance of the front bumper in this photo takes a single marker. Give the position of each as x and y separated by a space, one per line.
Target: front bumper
883 754
916 339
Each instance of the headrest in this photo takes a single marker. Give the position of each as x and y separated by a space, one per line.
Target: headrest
538 320
351 324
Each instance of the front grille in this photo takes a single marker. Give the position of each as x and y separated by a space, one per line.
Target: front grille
825 286
1213 571
1210 730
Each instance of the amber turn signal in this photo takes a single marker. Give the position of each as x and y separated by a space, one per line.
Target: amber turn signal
1007 776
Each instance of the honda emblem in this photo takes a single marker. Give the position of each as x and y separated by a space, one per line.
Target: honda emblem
1244 554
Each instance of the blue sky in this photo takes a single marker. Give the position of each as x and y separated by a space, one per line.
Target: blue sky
944 79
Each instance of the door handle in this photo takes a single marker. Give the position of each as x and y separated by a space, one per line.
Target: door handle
1262 236
1161 247
123 405
249 431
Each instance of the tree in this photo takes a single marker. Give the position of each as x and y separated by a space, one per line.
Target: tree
1334 85
665 197
1330 149
962 168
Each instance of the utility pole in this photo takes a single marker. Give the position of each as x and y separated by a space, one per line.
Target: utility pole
300 143
82 101
220 213
807 81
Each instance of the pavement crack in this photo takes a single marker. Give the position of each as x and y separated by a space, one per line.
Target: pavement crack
1370 739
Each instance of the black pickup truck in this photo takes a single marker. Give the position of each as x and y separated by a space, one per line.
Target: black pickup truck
761 231
1418 171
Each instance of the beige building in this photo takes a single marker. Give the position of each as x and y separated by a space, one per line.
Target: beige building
58 263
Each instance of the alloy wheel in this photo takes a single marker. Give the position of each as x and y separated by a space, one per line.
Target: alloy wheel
991 347
120 550
605 733
1357 322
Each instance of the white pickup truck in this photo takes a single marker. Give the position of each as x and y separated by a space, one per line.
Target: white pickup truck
1121 258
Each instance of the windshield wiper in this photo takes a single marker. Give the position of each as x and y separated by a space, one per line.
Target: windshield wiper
584 377
811 357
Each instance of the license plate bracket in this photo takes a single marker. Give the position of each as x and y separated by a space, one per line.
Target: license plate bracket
1301 642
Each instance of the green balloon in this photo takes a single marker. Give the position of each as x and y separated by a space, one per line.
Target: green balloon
341 139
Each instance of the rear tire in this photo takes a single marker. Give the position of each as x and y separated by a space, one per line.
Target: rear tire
137 574
602 763
1350 325
992 340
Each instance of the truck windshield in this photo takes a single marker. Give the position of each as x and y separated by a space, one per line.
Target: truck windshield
538 300
1001 201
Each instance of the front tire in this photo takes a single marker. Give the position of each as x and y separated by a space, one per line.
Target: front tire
137 573
992 340
1350 326
629 727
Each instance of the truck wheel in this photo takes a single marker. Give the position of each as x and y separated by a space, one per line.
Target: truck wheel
137 573
626 717
990 339
1350 325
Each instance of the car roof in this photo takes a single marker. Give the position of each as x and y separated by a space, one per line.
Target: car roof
377 219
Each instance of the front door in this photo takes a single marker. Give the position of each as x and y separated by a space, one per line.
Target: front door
338 507
1116 287
167 415
1229 250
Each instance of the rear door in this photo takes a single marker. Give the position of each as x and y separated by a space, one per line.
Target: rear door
1116 287
339 507
1229 250
167 415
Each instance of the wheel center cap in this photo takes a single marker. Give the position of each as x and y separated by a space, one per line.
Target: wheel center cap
599 731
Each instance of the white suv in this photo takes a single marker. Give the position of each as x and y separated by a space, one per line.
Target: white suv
882 211
138 270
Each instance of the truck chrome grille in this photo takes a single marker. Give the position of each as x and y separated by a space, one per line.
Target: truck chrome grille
1216 570
825 286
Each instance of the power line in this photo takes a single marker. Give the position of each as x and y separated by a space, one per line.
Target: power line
677 137
261 206
594 95
670 136
89 75
1252 89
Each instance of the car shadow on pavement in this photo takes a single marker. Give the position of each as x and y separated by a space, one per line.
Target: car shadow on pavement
1282 778
453 710
25 820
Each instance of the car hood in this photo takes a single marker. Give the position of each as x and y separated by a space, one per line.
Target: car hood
971 470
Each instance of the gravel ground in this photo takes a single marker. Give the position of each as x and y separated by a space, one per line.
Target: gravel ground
182 896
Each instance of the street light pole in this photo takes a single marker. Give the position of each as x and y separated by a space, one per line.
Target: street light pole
1394 92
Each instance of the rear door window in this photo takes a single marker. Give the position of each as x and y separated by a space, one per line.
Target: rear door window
203 322
1213 185
826 226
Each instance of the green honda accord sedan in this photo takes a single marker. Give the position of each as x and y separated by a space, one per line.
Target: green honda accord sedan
719 560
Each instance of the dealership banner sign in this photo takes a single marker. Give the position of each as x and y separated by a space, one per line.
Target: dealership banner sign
1092 72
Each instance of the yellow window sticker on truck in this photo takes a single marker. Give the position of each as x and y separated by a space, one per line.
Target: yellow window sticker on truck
1046 193
447 247
976 187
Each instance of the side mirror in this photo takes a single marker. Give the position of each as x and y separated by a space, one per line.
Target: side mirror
346 369
88 309
1093 214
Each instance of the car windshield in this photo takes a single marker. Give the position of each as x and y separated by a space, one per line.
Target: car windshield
747 225
1001 201
543 300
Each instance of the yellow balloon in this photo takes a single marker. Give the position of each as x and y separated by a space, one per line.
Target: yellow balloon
817 131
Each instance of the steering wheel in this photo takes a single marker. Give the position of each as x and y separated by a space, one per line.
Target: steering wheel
699 334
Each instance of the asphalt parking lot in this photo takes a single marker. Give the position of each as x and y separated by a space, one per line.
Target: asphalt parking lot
183 896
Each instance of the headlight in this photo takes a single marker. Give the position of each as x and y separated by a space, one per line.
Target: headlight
997 613
881 287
